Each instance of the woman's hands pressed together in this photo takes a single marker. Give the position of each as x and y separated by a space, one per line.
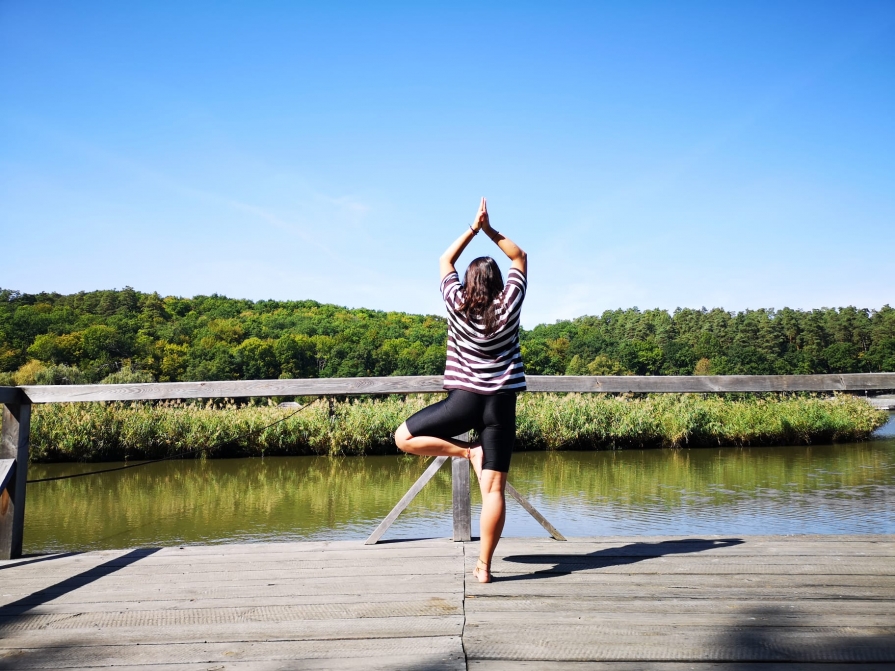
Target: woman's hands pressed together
481 222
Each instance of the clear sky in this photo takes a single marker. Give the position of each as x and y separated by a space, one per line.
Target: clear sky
649 154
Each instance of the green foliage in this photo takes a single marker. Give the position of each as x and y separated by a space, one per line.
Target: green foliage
218 338
110 431
208 338
702 342
59 374
128 375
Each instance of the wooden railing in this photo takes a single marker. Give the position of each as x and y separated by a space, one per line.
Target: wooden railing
17 403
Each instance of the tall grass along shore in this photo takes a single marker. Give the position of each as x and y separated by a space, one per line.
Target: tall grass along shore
116 431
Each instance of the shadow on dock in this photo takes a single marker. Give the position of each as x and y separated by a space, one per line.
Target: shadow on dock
776 634
63 587
40 558
632 553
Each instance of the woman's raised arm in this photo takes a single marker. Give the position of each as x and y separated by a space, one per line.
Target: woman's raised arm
518 258
451 254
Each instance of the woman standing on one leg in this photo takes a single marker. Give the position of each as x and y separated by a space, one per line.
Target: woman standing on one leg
482 375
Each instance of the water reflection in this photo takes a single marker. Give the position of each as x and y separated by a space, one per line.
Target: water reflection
815 489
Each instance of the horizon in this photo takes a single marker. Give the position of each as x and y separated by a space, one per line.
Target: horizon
662 155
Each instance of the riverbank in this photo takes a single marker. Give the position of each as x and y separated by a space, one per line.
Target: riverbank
117 431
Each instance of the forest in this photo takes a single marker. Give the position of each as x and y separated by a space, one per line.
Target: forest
129 336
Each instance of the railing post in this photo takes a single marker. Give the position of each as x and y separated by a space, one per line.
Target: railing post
14 435
460 495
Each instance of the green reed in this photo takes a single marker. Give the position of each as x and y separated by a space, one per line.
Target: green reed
113 431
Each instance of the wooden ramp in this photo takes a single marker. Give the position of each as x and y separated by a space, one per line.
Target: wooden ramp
825 603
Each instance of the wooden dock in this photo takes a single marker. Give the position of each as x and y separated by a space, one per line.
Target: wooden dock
825 603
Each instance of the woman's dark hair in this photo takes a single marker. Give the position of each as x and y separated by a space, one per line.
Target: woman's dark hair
481 285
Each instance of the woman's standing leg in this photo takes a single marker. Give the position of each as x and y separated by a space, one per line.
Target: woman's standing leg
498 437
494 514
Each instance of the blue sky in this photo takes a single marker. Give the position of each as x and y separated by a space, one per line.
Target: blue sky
735 155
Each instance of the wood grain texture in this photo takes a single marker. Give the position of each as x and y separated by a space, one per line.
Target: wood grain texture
710 383
698 602
234 389
607 604
433 383
461 502
461 505
429 652
7 470
14 434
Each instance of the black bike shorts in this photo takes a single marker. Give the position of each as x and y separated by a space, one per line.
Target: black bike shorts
493 417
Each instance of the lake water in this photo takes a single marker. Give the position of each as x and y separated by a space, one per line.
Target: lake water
838 489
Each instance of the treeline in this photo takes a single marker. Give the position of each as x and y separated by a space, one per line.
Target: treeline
129 336
715 342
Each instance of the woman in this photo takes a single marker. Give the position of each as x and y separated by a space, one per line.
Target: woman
482 375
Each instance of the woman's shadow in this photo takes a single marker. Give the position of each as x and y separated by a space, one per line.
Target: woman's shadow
617 556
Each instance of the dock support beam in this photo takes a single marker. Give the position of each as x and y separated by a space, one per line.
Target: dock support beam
14 435
462 505
411 493
460 496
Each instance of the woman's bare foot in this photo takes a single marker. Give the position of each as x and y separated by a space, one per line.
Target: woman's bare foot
482 571
476 457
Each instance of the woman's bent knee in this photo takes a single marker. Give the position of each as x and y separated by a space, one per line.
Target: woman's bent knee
402 438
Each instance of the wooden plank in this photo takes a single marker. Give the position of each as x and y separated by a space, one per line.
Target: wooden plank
650 592
10 395
447 600
434 545
555 665
777 539
423 609
7 470
431 652
540 641
645 617
434 383
409 384
307 585
418 567
427 475
223 571
882 566
710 383
14 433
531 510
461 505
235 561
124 582
169 564
885 584
649 546
670 607
391 662
149 630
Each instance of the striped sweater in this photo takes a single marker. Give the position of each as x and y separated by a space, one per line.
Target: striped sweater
480 364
